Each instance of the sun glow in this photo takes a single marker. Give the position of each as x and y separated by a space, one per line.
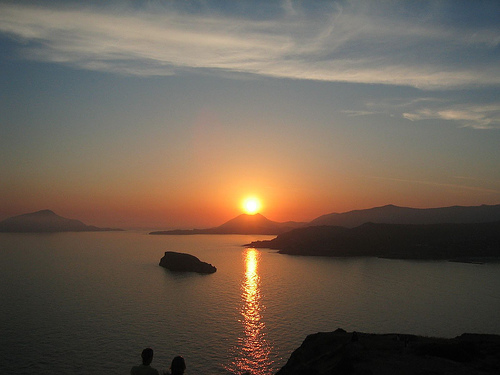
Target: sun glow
251 205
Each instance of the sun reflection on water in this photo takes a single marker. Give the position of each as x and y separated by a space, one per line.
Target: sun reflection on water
252 354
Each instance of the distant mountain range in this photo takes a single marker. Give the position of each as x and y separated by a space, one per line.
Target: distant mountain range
46 221
242 224
390 214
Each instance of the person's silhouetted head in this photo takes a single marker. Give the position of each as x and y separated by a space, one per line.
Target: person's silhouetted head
178 366
147 356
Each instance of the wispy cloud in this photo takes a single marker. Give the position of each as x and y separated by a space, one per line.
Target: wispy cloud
350 43
355 113
464 111
443 185
474 116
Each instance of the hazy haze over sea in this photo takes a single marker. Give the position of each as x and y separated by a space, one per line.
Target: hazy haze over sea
87 303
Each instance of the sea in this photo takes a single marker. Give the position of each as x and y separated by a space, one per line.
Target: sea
89 303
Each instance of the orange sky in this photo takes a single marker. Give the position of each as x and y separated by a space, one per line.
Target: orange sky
313 108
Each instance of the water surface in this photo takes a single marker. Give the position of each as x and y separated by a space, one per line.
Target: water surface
88 303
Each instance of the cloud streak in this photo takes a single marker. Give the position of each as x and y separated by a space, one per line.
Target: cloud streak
443 185
349 43
473 116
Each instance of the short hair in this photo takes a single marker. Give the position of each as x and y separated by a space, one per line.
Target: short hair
178 365
147 356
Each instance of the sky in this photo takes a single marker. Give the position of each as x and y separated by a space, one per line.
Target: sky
167 114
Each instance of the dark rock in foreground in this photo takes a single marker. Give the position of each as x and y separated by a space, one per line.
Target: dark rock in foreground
341 352
46 221
181 262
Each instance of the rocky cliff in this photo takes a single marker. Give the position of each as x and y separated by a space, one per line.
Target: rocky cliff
341 352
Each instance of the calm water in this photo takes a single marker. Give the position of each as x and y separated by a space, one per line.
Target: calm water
88 303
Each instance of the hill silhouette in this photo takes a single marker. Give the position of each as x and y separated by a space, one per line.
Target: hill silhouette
391 214
46 221
242 224
465 242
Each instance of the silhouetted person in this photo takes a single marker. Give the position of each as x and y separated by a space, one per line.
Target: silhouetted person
354 337
145 368
178 366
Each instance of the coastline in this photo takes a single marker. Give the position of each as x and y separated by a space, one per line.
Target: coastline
468 243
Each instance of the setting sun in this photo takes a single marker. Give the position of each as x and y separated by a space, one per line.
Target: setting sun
251 205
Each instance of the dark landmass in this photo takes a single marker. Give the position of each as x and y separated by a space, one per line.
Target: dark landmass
181 262
433 241
391 214
242 224
46 221
342 353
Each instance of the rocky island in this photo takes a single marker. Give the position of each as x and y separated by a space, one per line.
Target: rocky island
341 352
181 262
472 241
